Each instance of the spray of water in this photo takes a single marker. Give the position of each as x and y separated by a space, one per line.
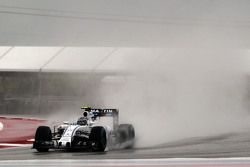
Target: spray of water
183 93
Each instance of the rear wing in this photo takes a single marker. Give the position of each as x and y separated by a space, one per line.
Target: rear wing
108 113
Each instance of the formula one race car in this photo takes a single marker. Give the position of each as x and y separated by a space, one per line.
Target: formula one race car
86 134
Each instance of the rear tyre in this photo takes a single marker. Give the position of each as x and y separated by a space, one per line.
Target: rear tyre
131 132
98 138
43 135
126 133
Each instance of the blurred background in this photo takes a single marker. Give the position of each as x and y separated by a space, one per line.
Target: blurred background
180 65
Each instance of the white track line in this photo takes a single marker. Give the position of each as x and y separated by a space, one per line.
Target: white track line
14 145
128 162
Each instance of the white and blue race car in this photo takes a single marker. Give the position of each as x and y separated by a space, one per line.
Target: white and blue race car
87 133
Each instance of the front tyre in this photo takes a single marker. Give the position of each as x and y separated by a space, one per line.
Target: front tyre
98 138
43 139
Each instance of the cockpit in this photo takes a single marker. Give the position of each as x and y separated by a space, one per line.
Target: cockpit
82 121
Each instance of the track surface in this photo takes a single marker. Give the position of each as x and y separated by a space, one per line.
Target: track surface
226 146
222 146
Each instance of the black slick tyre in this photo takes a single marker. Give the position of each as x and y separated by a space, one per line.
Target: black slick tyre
43 134
126 133
98 138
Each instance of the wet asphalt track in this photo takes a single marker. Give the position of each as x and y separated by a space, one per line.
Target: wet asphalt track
222 146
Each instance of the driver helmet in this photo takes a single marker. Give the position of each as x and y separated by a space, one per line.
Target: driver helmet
86 110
